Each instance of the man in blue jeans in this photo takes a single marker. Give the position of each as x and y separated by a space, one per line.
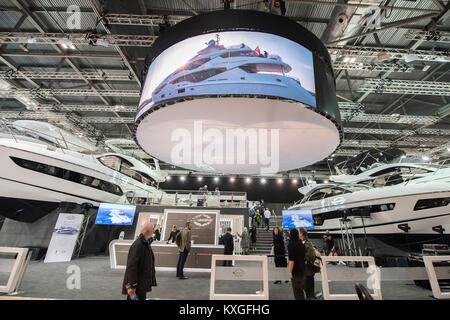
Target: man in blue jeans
184 246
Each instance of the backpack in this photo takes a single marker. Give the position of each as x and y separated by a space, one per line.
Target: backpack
178 239
317 261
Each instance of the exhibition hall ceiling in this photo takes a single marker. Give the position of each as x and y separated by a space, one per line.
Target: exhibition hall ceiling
80 64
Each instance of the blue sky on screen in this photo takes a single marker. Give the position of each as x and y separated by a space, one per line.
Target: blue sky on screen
297 56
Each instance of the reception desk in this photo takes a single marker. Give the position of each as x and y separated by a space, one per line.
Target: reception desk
166 255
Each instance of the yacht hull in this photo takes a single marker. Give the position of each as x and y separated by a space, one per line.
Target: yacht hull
21 189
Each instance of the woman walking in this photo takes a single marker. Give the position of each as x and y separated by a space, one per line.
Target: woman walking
157 235
296 252
278 250
253 237
245 241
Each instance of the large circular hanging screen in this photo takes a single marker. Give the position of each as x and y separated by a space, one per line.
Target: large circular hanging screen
240 92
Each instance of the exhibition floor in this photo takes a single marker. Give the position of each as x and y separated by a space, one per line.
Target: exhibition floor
99 282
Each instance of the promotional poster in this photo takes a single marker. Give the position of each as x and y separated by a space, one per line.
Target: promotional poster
64 238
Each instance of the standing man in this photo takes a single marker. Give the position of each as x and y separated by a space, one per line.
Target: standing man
296 252
184 246
228 247
140 272
267 218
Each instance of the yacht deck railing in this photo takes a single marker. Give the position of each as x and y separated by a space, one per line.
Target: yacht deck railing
192 198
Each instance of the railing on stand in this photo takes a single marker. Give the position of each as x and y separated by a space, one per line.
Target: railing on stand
192 198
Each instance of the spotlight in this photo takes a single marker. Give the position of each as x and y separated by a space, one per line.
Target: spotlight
280 181
200 178
294 181
231 179
103 43
65 43
182 178
168 178
248 180
411 57
325 181
425 158
263 180
216 179
342 19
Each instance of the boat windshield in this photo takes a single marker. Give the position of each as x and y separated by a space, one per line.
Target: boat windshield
125 167
331 190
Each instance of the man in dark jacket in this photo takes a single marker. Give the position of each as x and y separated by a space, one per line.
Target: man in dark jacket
228 247
296 252
140 272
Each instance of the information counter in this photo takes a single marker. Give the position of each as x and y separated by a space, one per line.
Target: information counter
166 255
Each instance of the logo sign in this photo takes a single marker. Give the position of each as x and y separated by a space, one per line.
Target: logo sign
338 201
202 220
215 146
239 273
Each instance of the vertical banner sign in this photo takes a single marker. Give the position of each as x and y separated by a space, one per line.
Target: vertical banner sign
64 237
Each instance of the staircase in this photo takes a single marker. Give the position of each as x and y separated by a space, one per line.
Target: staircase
264 238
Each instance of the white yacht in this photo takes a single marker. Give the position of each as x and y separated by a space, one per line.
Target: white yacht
236 69
385 174
37 173
419 206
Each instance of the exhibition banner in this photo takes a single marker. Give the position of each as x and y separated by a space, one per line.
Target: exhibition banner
64 238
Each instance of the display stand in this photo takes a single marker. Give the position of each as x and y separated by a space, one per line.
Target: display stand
240 274
350 274
15 268
431 271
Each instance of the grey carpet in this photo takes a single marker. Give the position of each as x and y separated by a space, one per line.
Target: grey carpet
98 281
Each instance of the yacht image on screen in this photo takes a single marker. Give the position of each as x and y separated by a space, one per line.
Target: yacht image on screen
118 217
237 69
299 222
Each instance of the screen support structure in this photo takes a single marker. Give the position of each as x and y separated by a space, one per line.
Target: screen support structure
80 239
